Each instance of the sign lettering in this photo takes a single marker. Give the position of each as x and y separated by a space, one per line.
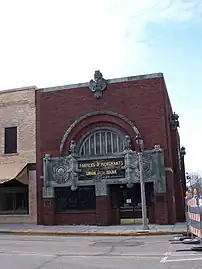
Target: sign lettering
111 168
100 164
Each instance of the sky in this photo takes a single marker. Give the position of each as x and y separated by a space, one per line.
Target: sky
57 42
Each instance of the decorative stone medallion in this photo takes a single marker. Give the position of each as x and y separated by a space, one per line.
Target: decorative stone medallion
98 85
60 171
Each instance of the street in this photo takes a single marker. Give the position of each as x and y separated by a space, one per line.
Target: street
51 252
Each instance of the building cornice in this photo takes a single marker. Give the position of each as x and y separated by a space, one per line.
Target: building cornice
109 81
18 89
84 84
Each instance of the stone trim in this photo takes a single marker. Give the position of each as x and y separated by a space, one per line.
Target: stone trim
109 81
48 192
168 169
101 189
114 181
95 113
19 89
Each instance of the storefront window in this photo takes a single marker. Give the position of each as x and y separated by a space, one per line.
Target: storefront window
14 201
82 199
101 143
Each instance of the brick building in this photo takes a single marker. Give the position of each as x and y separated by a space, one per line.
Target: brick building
87 168
18 156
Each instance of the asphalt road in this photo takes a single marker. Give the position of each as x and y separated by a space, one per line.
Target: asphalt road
49 252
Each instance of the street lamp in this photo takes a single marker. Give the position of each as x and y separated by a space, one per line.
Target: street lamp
140 144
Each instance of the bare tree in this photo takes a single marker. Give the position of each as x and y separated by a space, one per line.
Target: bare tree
194 180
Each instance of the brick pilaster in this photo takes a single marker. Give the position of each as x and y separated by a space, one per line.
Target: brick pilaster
49 211
161 210
103 210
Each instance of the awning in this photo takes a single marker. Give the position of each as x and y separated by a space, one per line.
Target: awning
11 171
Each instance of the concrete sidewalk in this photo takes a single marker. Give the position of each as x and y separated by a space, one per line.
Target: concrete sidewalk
118 230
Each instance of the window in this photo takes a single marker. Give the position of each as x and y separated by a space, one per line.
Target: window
102 142
82 199
10 145
14 201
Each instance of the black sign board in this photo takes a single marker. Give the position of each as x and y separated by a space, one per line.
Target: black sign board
105 168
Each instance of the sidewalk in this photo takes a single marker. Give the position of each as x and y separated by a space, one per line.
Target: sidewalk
119 230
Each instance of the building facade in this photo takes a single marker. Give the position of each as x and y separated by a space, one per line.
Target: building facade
87 163
18 156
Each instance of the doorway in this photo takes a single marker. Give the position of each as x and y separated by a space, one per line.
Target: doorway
127 202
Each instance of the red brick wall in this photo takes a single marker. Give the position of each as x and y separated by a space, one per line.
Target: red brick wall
169 160
183 180
115 216
75 218
161 214
171 209
141 101
103 210
173 162
49 211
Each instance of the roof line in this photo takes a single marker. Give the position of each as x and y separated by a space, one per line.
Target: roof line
19 89
109 81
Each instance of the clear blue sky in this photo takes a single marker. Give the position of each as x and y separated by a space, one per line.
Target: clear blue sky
57 42
177 52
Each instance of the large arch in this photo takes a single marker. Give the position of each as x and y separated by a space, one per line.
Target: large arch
96 113
101 141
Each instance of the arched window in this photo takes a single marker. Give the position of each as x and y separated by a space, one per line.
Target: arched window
102 142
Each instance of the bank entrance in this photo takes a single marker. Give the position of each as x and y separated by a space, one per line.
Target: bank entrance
126 200
98 182
124 203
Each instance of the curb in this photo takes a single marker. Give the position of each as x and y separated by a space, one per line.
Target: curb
58 233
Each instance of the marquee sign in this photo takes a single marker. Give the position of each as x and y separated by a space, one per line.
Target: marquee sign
105 168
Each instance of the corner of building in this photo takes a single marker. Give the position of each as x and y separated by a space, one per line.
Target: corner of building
174 183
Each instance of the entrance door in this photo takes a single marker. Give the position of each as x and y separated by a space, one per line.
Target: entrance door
130 202
127 201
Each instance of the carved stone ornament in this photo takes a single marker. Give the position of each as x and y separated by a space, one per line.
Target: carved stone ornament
132 172
174 122
179 159
65 169
127 143
129 185
131 167
157 148
98 85
73 173
182 152
72 147
148 170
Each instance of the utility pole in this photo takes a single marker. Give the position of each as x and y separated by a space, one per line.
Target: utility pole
139 141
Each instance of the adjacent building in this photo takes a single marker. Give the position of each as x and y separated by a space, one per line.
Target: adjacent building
18 198
86 151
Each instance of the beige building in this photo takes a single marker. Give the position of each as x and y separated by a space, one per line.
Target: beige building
18 201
